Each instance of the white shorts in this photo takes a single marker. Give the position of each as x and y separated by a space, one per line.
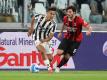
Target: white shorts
45 45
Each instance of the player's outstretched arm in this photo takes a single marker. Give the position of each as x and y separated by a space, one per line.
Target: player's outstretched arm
60 33
88 33
31 29
88 27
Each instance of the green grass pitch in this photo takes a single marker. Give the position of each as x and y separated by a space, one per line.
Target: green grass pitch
44 75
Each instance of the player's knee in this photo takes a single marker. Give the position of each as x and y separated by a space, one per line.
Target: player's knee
50 57
41 49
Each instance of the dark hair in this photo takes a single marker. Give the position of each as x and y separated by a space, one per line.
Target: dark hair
71 7
51 9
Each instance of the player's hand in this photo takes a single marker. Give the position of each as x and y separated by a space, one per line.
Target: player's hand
29 34
30 30
88 33
59 35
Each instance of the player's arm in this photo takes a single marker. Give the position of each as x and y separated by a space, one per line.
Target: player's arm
48 38
88 27
61 31
31 29
51 34
63 27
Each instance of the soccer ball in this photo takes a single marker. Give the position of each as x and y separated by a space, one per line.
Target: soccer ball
34 68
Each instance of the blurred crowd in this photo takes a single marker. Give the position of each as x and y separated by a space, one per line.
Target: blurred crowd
93 11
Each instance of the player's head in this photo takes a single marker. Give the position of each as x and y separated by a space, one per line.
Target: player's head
51 13
70 11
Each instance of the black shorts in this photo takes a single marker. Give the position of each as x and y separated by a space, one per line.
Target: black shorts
69 46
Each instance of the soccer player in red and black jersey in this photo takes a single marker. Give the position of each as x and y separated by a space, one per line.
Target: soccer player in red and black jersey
73 36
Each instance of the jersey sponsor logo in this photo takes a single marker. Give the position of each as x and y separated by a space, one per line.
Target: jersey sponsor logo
71 29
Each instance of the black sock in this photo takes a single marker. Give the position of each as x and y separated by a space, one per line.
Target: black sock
63 61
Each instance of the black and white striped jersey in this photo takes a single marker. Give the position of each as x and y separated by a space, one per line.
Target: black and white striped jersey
42 27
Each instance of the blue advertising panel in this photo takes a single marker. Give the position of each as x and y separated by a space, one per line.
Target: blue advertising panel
92 54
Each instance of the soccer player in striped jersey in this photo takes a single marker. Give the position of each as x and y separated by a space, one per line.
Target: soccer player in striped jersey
42 32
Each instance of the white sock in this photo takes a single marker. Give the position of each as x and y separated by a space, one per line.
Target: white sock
47 63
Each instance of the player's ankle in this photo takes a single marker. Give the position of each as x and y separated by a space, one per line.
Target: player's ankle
50 70
57 69
47 63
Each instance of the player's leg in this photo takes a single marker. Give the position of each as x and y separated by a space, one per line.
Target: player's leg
50 57
62 50
49 53
70 52
62 47
63 61
41 48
